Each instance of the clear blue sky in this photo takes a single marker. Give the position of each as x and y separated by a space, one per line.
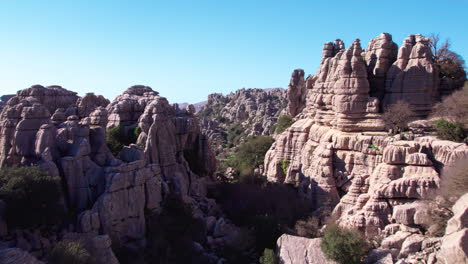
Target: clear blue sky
189 49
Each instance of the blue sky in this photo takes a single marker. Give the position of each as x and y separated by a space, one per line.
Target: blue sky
189 49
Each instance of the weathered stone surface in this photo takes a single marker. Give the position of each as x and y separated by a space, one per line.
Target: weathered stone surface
454 247
294 249
413 77
297 93
16 255
381 52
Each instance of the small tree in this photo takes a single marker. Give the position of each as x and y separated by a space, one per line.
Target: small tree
450 64
268 257
397 116
343 246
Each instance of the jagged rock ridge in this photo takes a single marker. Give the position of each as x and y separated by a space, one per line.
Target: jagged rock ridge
254 111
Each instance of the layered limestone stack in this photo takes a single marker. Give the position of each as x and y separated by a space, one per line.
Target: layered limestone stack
296 93
381 53
413 77
338 94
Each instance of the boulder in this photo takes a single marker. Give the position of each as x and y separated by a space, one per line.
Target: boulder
294 249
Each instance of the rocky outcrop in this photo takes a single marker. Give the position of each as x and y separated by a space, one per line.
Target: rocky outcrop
341 159
454 248
296 93
249 112
413 77
294 250
66 135
381 53
338 94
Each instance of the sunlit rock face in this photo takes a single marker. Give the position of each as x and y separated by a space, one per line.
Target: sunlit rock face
338 153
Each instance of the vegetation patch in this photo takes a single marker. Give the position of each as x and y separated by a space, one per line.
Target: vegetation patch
283 123
450 131
284 164
344 246
117 137
70 252
249 156
32 197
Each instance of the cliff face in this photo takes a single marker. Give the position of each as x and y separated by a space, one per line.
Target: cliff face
251 111
55 129
339 155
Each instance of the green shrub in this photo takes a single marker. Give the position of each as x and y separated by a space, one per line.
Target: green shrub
343 246
32 197
269 257
117 138
282 124
450 131
284 164
70 252
250 155
235 133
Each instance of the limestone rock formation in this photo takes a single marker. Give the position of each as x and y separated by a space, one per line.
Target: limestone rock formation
413 77
294 249
54 129
296 93
381 52
341 159
251 111
454 248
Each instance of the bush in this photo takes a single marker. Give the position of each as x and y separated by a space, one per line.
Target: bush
397 116
70 252
449 131
282 124
453 108
269 257
32 197
250 155
117 138
343 246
